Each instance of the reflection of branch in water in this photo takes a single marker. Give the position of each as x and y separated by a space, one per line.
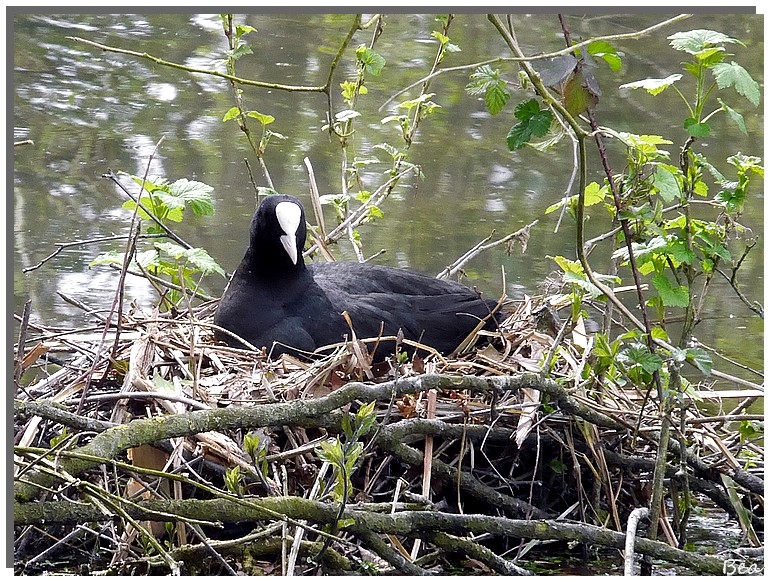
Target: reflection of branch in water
62 246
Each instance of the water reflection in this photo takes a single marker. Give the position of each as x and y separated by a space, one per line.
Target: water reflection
88 112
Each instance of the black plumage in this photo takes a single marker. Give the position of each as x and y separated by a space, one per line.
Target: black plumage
275 300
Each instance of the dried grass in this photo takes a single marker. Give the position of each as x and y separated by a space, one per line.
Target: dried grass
535 451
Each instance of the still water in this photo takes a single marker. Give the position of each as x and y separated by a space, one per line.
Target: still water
88 112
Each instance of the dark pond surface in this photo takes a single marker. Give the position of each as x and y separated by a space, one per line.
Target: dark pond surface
88 111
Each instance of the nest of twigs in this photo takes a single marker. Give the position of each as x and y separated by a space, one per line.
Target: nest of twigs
156 450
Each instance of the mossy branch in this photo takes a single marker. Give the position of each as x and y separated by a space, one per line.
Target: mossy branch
110 443
366 523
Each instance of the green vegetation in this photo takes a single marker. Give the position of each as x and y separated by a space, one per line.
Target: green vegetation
670 219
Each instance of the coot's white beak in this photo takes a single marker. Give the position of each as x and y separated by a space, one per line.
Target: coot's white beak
289 214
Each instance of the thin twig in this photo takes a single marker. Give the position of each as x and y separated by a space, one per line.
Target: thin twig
521 234
61 246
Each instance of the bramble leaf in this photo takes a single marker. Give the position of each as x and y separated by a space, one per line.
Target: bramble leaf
534 121
196 195
653 86
735 116
594 194
197 257
734 75
695 41
701 359
604 50
667 184
696 128
495 97
638 354
372 61
670 295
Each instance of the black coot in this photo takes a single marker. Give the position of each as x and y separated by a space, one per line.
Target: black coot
274 300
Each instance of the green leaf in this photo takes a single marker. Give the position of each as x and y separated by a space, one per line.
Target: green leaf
557 466
205 263
263 118
481 79
695 41
733 199
653 86
603 348
518 136
641 250
667 184
243 29
163 384
638 354
373 62
147 258
239 52
331 452
734 75
735 116
695 128
713 247
232 113
495 97
540 122
582 282
659 333
526 110
108 258
604 50
744 163
594 194
195 256
451 47
151 183
130 205
196 195
442 38
670 295
613 61
568 266
534 121
701 188
678 356
412 103
365 419
680 252
386 147
251 444
645 144
347 426
748 429
549 142
348 90
559 204
701 359
710 56
172 249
